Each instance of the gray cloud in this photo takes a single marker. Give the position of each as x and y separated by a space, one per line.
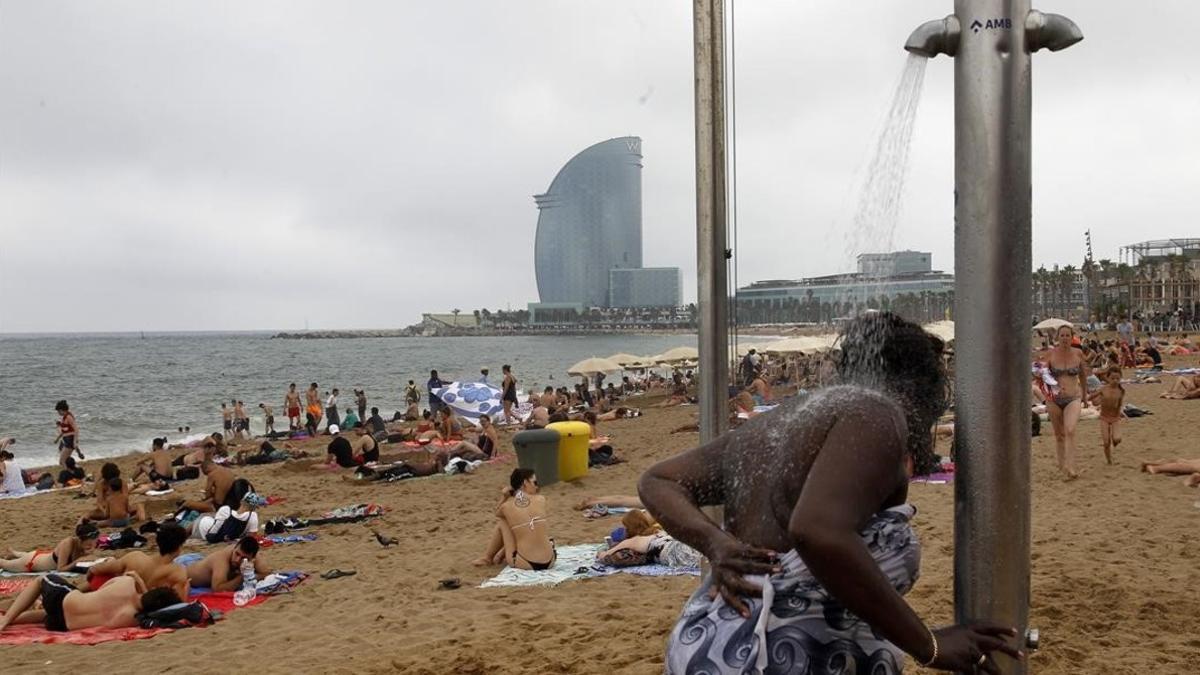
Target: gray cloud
183 165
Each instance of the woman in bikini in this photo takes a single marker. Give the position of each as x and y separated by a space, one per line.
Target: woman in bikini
60 558
68 433
1069 369
521 537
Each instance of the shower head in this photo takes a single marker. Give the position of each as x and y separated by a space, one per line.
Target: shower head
1051 31
935 37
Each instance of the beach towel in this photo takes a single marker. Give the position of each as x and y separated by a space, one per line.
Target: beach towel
25 634
272 584
159 493
30 491
938 478
653 570
570 559
602 510
286 539
796 625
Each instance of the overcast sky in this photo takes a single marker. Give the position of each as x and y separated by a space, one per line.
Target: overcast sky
237 165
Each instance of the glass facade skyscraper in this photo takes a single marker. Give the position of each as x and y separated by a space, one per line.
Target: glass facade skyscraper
589 222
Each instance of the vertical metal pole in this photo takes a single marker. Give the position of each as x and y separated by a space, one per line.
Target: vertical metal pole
712 292
992 261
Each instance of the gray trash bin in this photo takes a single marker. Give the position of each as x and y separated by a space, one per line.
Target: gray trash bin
537 449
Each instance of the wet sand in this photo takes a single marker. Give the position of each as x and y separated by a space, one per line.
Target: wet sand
1115 570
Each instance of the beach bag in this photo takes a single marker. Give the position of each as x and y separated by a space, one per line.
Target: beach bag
179 615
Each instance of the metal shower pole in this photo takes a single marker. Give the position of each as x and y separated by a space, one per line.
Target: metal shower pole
991 42
712 298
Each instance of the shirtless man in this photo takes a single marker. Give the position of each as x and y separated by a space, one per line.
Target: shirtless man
158 571
268 418
226 419
157 468
116 604
117 507
291 403
240 420
548 399
221 570
216 488
539 418
760 390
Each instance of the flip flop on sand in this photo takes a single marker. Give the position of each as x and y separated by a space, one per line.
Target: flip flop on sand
450 584
337 574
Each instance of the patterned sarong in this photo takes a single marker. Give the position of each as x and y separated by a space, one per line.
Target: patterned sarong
797 627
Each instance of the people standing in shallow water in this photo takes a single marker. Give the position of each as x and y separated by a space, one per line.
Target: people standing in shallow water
1067 398
817 550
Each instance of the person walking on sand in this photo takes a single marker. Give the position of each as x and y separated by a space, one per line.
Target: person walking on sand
1111 399
268 418
331 410
291 403
68 433
508 396
1068 397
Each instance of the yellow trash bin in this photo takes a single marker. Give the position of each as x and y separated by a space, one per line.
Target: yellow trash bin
573 440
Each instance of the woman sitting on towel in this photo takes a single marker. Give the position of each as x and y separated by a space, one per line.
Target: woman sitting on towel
60 559
814 559
646 544
521 537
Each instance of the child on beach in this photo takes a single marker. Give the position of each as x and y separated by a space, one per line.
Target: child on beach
1111 400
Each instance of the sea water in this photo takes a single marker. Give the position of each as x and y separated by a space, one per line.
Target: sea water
126 390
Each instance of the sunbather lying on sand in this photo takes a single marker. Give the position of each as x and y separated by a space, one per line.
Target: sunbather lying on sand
116 604
1185 387
1179 467
60 558
221 570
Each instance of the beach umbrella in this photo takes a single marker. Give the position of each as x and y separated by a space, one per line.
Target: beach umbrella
678 354
471 399
588 367
1051 324
942 329
625 359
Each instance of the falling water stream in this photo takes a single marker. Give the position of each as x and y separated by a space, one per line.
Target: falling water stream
881 195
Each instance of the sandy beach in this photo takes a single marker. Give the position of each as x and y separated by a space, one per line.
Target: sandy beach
1115 569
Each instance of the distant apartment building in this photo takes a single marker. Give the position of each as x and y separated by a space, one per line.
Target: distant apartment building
645 287
879 275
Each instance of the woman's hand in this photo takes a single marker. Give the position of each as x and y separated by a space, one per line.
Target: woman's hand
960 648
730 560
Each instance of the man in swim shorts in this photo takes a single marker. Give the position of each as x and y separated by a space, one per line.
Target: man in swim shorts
221 570
268 418
216 488
226 419
291 403
116 604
